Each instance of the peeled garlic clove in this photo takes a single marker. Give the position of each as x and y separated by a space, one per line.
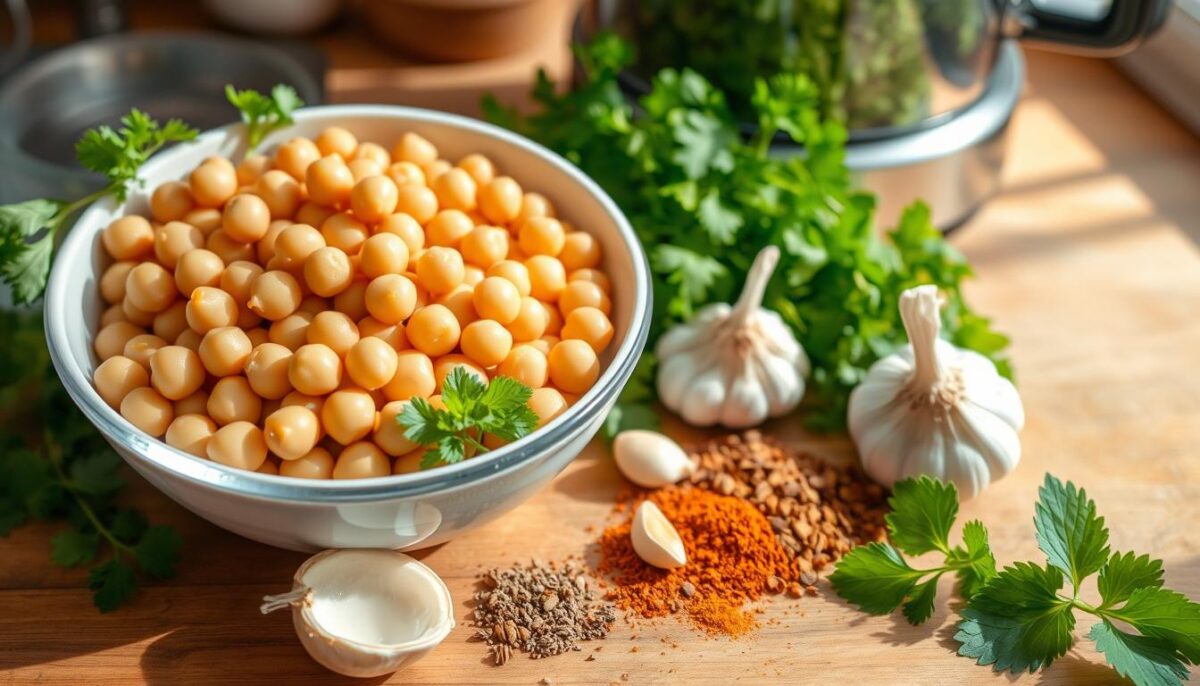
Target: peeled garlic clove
650 459
366 613
655 540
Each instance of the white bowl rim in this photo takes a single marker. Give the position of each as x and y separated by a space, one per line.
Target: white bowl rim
161 456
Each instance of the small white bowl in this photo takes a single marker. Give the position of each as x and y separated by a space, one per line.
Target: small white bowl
406 511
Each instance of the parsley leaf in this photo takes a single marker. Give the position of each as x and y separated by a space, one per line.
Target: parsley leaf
1165 614
119 153
923 509
980 562
112 584
1069 532
73 548
264 114
875 577
472 408
1124 574
1144 661
157 551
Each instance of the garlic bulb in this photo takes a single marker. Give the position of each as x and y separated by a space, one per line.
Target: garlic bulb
366 613
935 409
650 459
655 539
736 365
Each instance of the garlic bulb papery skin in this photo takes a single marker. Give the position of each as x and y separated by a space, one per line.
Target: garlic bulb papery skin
935 409
365 613
650 459
735 366
655 539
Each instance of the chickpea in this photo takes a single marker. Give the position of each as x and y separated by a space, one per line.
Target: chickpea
336 140
547 278
392 334
459 302
238 280
135 315
265 247
353 300
312 402
383 253
315 464
150 288
544 344
534 205
515 272
209 308
294 244
327 271
238 444
329 181
344 232
246 218
416 201
196 268
526 364
541 236
191 433
374 198
280 192
313 214
590 325
371 363
269 466
480 168
170 202
390 434
128 238
554 321
110 340
213 182
146 409
292 331
196 403
414 148
189 339
207 219
448 227
486 342
500 200
173 240
229 250
115 313
440 270
435 169
530 322
583 294
225 351
257 336
348 415
251 168
248 320
573 366
413 379
362 168
484 246
455 189
335 330
232 400
374 152
580 250
176 372
497 298
295 156
112 282
315 369
274 295
406 228
403 173
389 298
142 347
116 377
269 370
547 403
292 432
361 460
434 330
313 304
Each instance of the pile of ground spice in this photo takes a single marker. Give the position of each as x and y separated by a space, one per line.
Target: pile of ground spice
818 511
733 557
540 609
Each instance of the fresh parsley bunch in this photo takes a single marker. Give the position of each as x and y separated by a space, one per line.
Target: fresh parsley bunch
1023 617
472 408
29 230
55 466
264 114
704 200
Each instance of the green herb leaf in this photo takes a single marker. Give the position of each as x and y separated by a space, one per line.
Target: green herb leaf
128 526
624 417
923 510
1144 661
875 577
1069 532
979 563
1165 614
97 473
264 114
157 552
26 270
119 153
73 548
1124 574
26 219
1017 622
919 605
112 584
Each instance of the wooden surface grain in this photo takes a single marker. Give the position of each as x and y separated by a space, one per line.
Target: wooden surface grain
1088 258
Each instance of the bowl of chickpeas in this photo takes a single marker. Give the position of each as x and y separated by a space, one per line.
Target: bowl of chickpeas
246 328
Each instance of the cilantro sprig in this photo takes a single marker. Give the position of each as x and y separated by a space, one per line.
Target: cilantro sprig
472 408
264 114
704 200
1023 617
55 466
30 230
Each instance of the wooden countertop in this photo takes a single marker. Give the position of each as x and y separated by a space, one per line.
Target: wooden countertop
1088 259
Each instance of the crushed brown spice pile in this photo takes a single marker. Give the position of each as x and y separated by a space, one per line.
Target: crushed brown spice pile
733 557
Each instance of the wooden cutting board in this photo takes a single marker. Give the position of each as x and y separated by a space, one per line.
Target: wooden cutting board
1089 259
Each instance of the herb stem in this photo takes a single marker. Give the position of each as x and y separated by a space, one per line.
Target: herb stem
55 455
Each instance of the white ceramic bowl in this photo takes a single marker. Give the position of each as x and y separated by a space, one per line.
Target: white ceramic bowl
406 511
